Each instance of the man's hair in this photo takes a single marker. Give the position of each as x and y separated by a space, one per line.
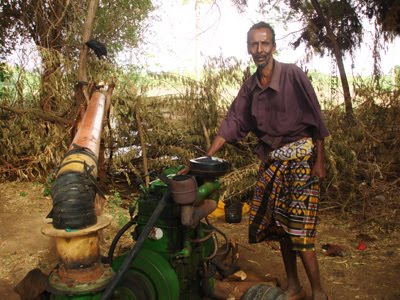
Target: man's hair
261 25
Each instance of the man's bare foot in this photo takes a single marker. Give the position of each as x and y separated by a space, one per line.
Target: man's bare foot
320 296
297 293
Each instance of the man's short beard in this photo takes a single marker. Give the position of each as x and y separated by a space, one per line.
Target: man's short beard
261 66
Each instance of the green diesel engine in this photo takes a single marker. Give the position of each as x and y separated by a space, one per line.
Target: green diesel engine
173 261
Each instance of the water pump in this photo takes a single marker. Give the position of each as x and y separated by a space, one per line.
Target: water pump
175 244
174 261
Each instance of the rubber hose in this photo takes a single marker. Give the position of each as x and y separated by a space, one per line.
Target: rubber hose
114 243
134 251
73 197
221 233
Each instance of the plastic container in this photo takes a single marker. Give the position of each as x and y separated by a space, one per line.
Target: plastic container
233 212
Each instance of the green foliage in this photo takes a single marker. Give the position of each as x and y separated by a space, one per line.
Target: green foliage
57 25
18 86
5 81
342 18
114 203
30 147
384 84
397 76
119 22
47 185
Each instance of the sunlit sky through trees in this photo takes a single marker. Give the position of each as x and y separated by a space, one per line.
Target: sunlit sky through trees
171 39
170 44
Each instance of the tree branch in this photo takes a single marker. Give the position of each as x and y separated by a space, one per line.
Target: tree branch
39 114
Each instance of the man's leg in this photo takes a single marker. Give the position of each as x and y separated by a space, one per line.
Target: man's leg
309 259
289 260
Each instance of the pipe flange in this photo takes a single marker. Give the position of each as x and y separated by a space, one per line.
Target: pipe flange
79 281
102 222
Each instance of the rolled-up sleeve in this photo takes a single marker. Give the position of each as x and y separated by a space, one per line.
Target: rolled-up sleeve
237 122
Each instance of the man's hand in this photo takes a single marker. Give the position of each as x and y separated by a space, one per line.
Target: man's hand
319 170
184 171
319 164
217 143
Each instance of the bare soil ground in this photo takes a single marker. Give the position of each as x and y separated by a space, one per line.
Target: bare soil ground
372 273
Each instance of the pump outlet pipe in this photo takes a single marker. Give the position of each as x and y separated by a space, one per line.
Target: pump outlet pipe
75 188
75 224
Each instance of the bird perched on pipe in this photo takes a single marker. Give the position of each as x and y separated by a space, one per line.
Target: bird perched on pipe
98 48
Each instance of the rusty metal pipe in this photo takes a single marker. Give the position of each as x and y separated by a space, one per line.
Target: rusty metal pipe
75 225
75 187
191 215
89 132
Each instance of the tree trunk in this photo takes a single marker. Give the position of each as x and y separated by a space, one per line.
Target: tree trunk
87 33
82 94
339 58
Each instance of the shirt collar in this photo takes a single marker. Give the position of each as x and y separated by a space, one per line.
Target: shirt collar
276 75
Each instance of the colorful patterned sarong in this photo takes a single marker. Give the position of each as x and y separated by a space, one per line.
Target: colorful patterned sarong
279 204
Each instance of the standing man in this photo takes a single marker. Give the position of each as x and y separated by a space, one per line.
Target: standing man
278 104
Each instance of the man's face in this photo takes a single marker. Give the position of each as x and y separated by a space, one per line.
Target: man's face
260 46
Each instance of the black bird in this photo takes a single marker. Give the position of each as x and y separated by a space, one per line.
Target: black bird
98 47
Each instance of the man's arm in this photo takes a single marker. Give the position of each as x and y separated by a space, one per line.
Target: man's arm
319 164
217 143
